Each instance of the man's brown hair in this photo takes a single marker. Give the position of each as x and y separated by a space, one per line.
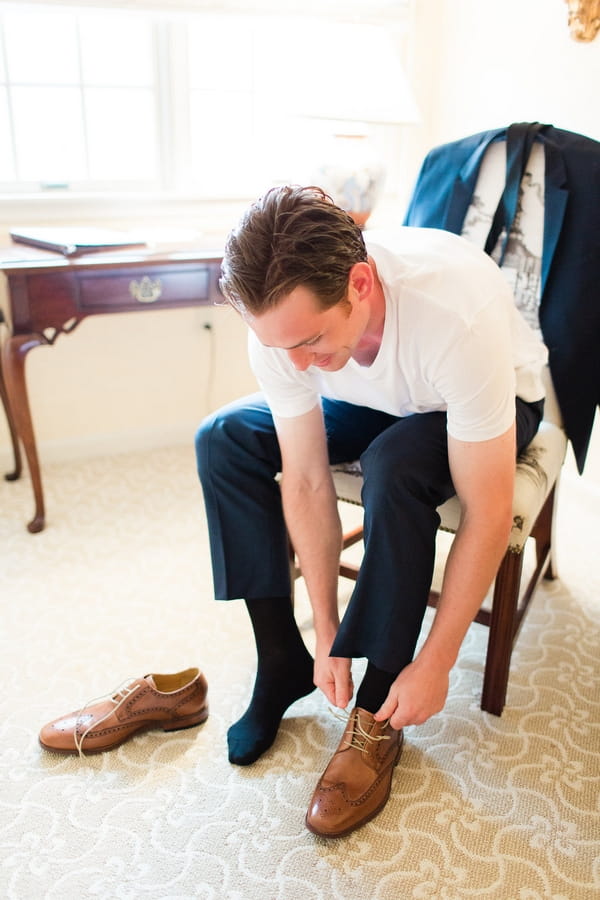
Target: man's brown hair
292 236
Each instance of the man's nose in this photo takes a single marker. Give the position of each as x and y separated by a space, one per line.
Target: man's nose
301 358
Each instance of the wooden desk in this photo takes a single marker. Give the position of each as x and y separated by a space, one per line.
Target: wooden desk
44 295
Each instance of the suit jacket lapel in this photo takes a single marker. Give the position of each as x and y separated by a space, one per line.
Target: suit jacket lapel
555 199
465 182
556 194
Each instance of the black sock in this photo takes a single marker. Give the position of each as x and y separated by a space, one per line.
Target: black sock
284 674
374 688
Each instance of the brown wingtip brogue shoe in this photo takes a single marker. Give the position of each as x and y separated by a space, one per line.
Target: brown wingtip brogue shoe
170 702
356 784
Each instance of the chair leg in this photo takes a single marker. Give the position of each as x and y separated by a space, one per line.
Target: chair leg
544 534
503 626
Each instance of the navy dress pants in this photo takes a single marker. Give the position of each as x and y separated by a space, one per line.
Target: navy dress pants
406 476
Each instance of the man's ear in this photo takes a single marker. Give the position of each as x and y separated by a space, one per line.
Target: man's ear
361 279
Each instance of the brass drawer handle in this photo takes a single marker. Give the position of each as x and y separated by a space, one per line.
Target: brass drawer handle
147 290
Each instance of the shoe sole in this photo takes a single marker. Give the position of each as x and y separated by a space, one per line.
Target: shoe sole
175 725
367 819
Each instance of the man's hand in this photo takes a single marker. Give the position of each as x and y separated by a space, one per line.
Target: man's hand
334 677
419 692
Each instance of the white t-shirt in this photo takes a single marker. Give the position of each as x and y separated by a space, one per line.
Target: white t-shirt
453 341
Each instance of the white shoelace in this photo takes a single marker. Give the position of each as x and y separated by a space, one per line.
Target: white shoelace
118 697
359 738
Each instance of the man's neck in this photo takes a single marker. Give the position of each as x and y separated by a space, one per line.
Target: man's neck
368 347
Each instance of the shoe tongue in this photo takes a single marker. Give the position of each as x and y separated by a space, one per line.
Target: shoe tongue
366 719
125 689
150 680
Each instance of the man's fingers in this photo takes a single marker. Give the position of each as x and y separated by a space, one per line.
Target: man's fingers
342 698
385 711
330 692
343 692
337 685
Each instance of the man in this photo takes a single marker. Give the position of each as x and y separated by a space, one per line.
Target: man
409 354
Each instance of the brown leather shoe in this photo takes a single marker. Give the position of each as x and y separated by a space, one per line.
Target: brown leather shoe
169 702
356 784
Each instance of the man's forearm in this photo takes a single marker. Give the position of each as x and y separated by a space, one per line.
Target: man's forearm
314 525
472 563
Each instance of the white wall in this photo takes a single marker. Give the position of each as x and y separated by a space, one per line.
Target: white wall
527 64
134 380
478 65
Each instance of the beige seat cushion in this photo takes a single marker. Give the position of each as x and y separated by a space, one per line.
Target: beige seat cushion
538 468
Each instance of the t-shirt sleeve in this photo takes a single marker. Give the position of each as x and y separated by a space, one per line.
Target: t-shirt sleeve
476 377
288 392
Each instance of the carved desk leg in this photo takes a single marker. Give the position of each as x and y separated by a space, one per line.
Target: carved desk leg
14 352
10 476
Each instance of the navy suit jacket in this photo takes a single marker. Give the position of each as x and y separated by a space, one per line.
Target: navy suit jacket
570 298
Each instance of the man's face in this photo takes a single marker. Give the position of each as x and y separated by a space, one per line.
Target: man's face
310 335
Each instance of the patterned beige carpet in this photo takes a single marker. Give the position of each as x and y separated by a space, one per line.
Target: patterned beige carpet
118 585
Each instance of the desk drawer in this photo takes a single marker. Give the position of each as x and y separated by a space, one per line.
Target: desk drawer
150 286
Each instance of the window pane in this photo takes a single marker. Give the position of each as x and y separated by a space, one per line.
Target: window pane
116 50
121 127
280 61
220 58
7 172
49 134
220 54
41 47
222 142
288 146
